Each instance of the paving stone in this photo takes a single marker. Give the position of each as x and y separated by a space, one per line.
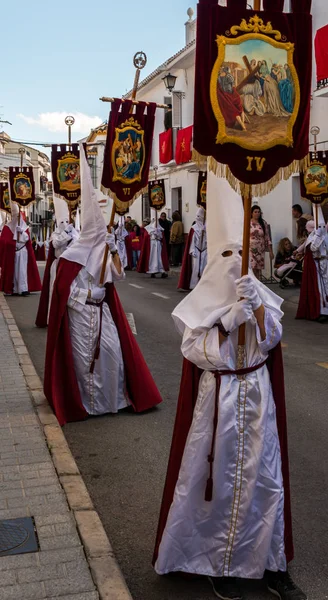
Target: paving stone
92 533
65 463
60 541
79 580
108 579
60 556
26 591
40 573
83 596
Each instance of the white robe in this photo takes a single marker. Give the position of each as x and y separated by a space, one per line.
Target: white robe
241 531
121 234
155 257
319 248
21 262
102 391
198 251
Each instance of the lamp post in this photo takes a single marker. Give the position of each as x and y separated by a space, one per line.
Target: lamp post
169 81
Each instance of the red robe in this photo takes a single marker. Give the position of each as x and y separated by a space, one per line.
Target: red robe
186 403
42 315
128 247
40 253
309 302
143 264
60 382
230 105
186 269
7 263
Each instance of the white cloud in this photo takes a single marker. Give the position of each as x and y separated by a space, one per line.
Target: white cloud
55 121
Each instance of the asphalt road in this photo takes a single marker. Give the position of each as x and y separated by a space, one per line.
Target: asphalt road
123 458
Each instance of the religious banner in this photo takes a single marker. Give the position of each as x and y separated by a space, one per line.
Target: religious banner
65 166
4 197
201 189
128 150
253 91
321 56
165 147
314 179
22 187
183 145
156 194
121 210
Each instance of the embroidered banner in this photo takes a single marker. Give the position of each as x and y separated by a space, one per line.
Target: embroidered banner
65 166
183 145
252 91
201 189
165 147
156 193
128 150
4 197
314 179
22 188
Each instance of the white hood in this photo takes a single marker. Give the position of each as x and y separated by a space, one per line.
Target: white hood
62 214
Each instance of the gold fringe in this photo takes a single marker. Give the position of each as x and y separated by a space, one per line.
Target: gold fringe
257 190
118 202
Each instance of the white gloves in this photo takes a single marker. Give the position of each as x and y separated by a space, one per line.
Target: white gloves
19 229
98 294
240 313
69 228
110 241
246 288
320 232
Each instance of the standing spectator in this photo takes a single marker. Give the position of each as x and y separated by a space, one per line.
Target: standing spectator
176 239
301 221
166 225
260 241
135 240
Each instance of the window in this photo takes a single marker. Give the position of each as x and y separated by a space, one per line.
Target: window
176 110
92 160
167 113
145 207
177 200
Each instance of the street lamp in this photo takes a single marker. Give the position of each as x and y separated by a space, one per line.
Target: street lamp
169 81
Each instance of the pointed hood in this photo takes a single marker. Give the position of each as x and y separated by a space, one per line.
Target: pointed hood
13 223
216 291
89 250
62 214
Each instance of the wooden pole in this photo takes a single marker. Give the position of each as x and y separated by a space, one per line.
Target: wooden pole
21 152
247 200
134 102
257 4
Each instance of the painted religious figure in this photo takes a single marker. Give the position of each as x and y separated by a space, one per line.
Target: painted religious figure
254 88
316 179
22 187
128 153
6 200
68 173
157 199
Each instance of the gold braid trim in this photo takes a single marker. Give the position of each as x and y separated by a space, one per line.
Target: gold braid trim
119 203
257 190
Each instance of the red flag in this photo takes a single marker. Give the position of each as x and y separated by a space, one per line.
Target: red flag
321 55
165 147
183 147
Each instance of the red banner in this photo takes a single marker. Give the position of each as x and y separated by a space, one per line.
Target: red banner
156 193
22 187
321 56
128 150
183 146
201 189
65 166
4 197
165 147
314 180
253 90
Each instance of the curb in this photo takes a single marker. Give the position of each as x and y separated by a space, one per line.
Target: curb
105 571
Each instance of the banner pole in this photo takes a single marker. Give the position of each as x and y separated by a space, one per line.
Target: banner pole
247 200
69 121
21 152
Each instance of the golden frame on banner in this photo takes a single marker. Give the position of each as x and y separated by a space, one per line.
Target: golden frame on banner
265 137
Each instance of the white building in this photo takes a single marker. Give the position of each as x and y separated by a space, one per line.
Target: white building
40 212
181 181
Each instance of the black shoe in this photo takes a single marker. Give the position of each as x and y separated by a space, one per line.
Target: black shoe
164 275
226 588
25 293
282 586
153 276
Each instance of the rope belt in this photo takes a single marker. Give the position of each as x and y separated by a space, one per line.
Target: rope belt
210 458
21 248
97 349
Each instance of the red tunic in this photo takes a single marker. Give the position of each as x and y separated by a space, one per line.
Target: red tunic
7 263
231 105
60 382
186 269
309 302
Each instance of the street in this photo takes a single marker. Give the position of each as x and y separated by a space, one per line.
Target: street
123 458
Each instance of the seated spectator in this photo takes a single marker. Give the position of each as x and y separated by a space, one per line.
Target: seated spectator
286 259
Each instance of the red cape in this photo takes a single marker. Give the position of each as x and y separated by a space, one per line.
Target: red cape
128 247
60 382
7 264
186 269
309 302
143 264
186 403
42 316
40 253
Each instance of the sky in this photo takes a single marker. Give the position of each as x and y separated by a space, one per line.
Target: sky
59 58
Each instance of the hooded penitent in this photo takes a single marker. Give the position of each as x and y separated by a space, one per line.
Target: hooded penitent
226 503
195 254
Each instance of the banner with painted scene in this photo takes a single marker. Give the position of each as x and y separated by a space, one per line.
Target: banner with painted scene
22 186
4 197
65 166
156 194
202 188
128 150
253 90
314 179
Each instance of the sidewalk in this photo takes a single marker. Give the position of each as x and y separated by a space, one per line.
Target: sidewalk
39 478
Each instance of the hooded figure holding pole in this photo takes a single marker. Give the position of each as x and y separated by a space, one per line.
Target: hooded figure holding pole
226 506
93 363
